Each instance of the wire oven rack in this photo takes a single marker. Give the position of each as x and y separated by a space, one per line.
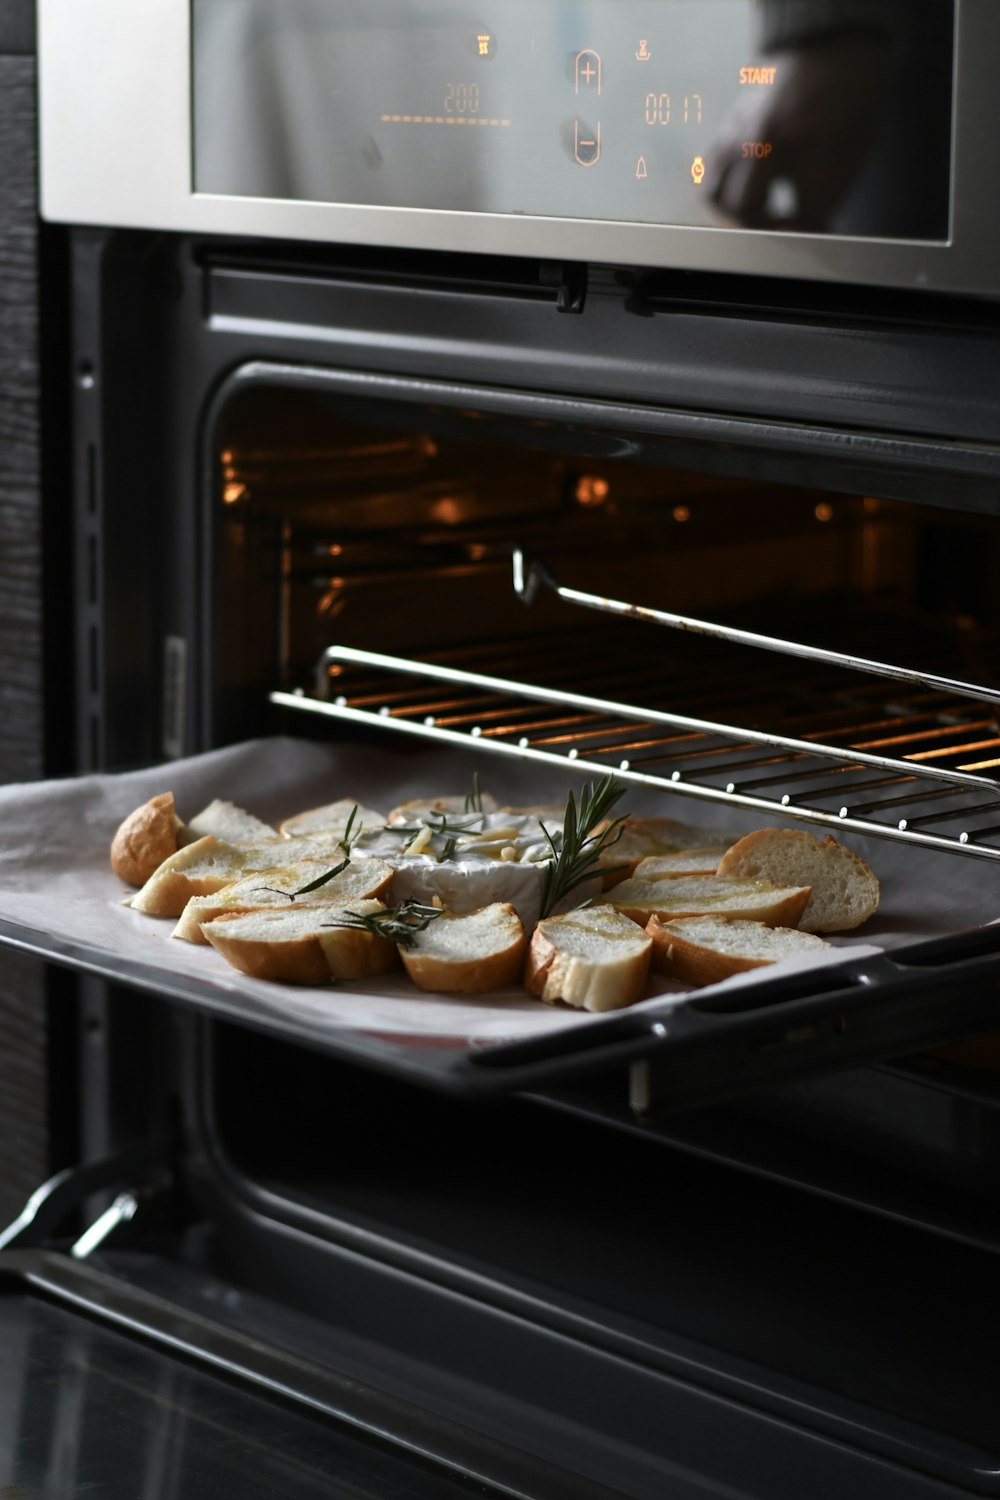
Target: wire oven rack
908 762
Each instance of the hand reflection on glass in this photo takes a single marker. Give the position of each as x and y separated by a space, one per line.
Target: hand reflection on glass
789 153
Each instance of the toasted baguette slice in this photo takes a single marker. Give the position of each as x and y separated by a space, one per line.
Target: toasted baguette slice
280 887
730 897
147 837
468 955
303 944
224 820
644 838
204 867
687 862
845 892
595 959
419 809
703 950
332 817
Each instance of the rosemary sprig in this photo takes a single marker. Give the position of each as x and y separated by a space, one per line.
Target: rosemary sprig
350 835
439 826
442 825
313 885
474 799
577 850
400 924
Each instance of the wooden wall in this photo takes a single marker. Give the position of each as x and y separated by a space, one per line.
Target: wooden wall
24 1151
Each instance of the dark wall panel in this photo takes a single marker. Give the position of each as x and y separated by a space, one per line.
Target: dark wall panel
23 1131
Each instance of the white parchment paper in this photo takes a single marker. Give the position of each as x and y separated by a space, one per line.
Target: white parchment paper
56 881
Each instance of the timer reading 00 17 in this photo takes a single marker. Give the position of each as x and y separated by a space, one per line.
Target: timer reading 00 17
660 110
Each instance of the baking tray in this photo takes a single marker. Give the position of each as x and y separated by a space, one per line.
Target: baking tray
874 995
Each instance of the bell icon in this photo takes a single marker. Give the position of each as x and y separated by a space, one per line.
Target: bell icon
640 169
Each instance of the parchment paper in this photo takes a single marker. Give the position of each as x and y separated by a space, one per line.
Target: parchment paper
55 878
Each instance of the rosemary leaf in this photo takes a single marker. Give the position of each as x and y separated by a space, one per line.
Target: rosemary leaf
474 799
576 852
350 836
314 885
400 924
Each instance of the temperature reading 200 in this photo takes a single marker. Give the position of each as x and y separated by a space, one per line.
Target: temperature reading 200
687 109
462 99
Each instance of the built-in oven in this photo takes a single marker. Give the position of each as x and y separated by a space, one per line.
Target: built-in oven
516 401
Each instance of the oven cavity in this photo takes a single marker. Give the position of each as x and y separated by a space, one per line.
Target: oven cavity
572 596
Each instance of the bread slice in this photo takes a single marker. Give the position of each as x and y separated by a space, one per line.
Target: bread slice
332 817
303 944
224 820
468 955
703 950
687 862
730 897
204 867
147 837
643 838
593 958
283 887
845 891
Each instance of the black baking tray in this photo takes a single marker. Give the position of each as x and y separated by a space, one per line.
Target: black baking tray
698 1051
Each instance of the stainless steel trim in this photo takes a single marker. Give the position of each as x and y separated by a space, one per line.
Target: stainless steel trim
119 153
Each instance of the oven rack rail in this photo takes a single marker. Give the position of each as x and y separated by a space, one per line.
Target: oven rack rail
529 580
836 786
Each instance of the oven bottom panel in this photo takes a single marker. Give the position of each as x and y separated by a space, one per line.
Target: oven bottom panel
149 1373
565 1246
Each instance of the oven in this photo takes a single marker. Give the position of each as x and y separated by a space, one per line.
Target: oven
524 398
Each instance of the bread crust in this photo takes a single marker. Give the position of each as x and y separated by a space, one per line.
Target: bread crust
362 880
321 952
845 890
478 972
171 885
678 953
641 900
607 982
330 816
147 837
642 838
293 961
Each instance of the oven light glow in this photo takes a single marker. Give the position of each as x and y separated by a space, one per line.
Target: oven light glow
823 512
448 510
681 514
231 493
591 490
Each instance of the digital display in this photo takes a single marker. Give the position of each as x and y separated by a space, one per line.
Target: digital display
809 117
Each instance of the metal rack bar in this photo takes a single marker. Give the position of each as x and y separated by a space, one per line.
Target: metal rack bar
439 671
693 757
528 582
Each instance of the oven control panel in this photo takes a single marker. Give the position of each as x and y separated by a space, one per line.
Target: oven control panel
822 117
847 141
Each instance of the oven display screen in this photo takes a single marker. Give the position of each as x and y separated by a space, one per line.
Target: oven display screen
824 117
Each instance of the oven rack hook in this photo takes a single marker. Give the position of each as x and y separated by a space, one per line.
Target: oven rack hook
529 581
